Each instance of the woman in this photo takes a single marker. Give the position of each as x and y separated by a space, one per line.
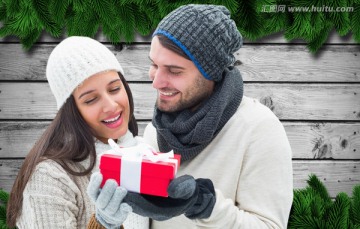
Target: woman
94 104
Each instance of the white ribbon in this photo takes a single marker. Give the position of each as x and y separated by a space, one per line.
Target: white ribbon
131 159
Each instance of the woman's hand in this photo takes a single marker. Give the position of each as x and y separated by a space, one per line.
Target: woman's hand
111 212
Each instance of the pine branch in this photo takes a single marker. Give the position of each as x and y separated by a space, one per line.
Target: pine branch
12 6
355 205
22 23
144 23
41 10
80 5
2 215
58 9
151 12
232 5
31 38
312 208
248 20
355 21
319 188
300 28
105 11
338 213
315 44
5 31
82 23
165 7
275 21
340 20
111 34
2 11
127 17
300 215
4 197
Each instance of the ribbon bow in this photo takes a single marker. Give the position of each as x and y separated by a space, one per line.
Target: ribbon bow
141 150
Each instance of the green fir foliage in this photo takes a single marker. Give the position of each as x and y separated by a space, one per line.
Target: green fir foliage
313 208
120 20
4 197
355 21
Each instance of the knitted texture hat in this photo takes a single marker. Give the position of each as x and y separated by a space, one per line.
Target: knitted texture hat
75 59
206 34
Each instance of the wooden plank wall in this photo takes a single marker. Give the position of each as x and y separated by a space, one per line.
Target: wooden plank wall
316 97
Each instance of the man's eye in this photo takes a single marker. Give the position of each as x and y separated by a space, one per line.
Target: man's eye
175 73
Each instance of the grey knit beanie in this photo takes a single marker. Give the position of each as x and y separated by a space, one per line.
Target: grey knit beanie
206 34
75 59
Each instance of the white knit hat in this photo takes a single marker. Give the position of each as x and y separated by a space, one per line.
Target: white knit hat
74 60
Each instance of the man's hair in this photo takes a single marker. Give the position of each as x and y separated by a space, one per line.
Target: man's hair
168 44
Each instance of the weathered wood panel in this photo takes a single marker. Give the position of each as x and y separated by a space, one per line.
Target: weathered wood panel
311 140
337 176
287 101
320 140
295 63
285 63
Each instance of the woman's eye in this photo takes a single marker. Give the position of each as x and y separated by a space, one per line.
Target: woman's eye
89 101
115 89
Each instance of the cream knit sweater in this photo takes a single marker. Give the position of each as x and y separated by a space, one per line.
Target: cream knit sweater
55 199
249 162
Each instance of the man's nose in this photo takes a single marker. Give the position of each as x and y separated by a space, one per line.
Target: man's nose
159 79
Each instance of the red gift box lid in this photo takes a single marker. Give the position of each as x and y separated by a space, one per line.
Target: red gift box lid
112 162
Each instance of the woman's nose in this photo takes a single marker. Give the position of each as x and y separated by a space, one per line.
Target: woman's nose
109 104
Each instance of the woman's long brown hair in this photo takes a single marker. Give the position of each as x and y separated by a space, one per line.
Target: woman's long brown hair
67 139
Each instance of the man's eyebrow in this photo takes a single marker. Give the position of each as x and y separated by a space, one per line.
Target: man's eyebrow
175 66
90 91
170 65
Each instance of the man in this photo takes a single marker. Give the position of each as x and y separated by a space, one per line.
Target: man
236 169
201 113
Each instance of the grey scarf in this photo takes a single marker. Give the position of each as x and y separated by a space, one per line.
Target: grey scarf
189 132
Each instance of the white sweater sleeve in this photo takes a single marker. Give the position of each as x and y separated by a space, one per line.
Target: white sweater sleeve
264 190
49 199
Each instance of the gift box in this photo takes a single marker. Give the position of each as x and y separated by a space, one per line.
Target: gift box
139 173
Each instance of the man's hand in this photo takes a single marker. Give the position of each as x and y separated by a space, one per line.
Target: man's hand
194 198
